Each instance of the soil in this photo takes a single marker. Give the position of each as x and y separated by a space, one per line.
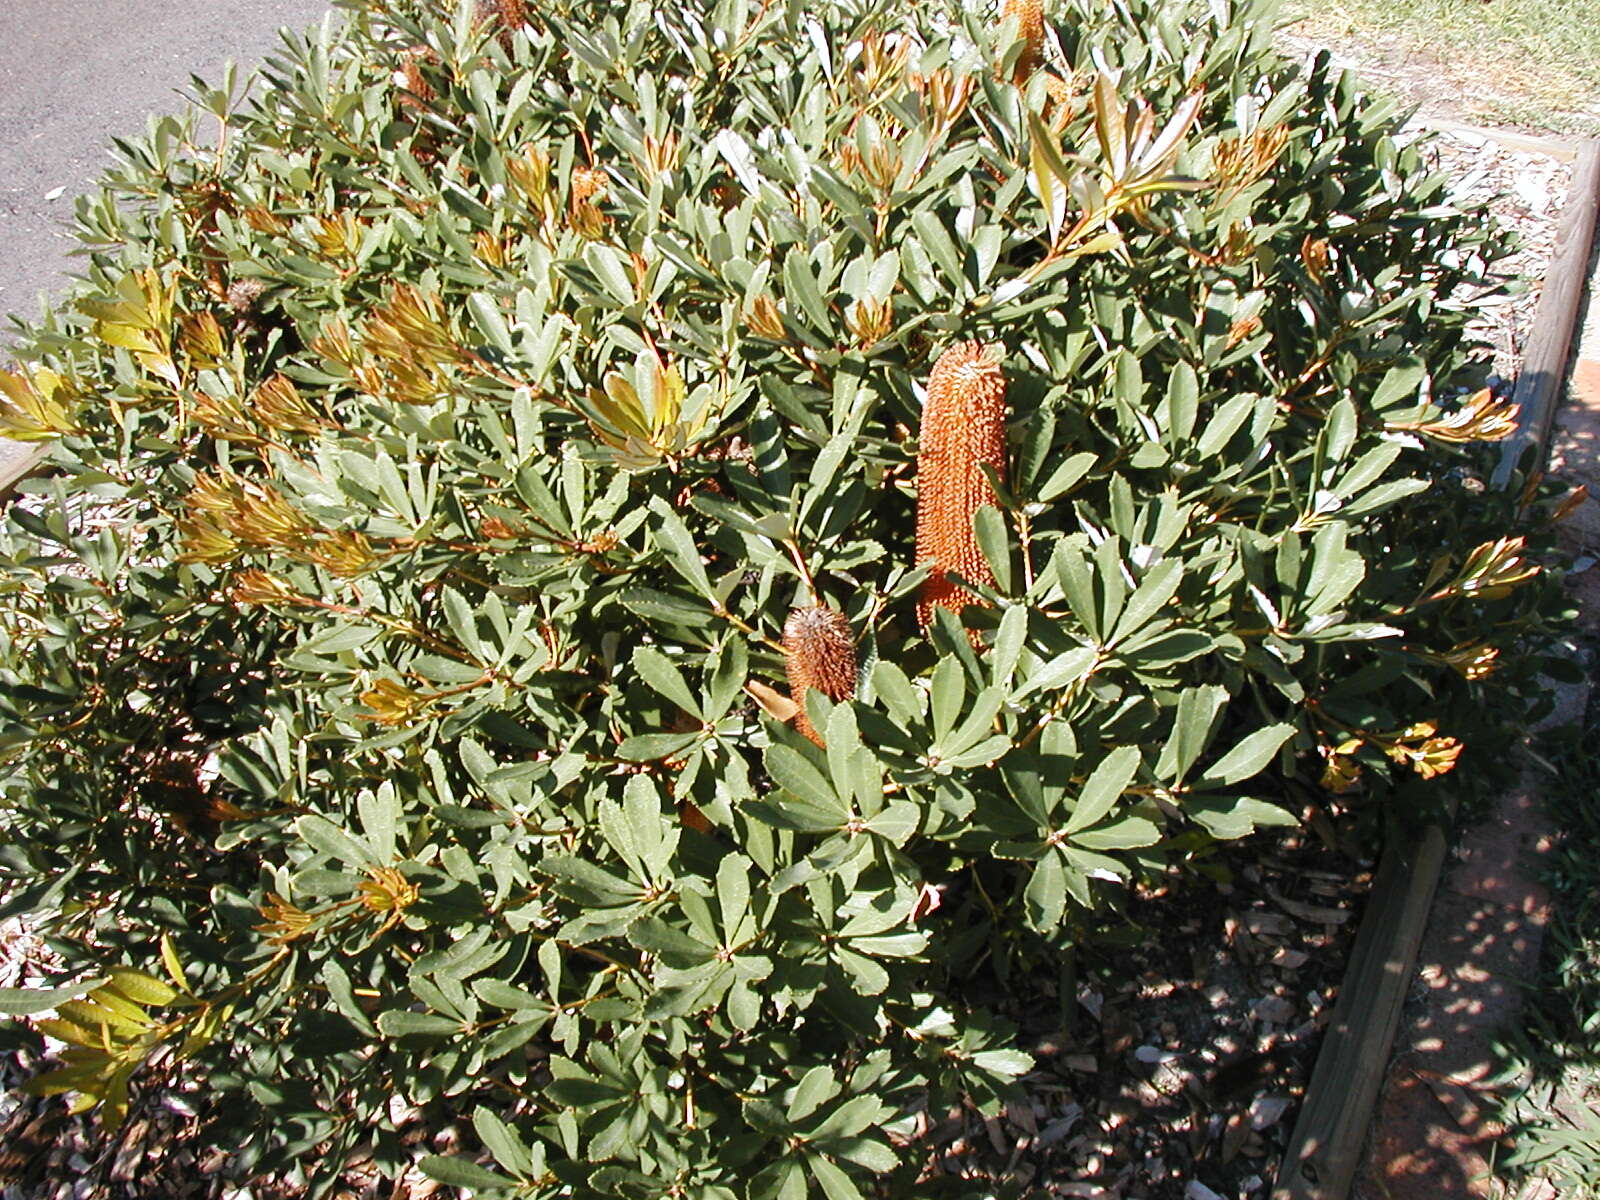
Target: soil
1190 1048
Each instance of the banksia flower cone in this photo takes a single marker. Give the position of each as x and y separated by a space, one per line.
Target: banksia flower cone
821 654
1030 16
509 16
419 93
963 430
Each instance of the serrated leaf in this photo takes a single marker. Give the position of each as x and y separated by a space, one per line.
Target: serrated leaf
404 1023
502 1142
792 770
1247 759
1046 893
816 1087
141 988
1105 786
662 674
461 1172
23 1002
836 1185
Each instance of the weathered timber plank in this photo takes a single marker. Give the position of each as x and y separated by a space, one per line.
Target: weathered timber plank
1541 380
1325 1149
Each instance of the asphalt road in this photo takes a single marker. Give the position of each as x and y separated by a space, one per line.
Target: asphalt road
75 73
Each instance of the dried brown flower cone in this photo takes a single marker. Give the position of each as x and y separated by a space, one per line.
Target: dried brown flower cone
1030 16
507 15
821 654
419 93
963 430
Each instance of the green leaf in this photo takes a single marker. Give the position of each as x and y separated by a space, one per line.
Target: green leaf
611 271
322 834
585 881
1159 585
816 1087
461 1172
141 988
24 1002
1008 1064
491 322
1008 642
1065 476
1104 788
1246 759
1061 671
651 747
865 1152
1183 401
935 239
502 1142
380 818
403 1023
948 693
1129 833
673 536
990 528
1046 893
659 671
1234 817
800 285
507 995
792 770
670 944
655 605
850 1118
1192 729
835 1183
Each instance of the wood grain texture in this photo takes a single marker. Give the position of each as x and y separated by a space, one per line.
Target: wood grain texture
1324 1152
17 461
1541 381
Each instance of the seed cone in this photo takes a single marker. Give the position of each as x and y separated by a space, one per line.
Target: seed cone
821 654
1030 16
509 15
963 429
418 93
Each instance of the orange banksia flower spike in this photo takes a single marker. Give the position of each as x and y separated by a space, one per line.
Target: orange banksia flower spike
1030 19
821 654
963 430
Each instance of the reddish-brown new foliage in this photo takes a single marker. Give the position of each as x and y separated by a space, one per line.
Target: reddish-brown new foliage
821 654
963 430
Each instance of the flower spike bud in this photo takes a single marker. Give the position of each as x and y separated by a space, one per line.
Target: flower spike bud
963 430
1030 19
821 654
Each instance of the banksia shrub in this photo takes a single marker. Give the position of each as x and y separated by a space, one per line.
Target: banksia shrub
963 432
393 739
820 653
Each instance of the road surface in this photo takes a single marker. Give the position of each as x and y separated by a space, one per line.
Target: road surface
75 73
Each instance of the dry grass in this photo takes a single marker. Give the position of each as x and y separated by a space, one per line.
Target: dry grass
1532 63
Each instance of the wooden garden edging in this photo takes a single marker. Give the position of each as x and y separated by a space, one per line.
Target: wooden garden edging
1543 375
1325 1149
17 462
